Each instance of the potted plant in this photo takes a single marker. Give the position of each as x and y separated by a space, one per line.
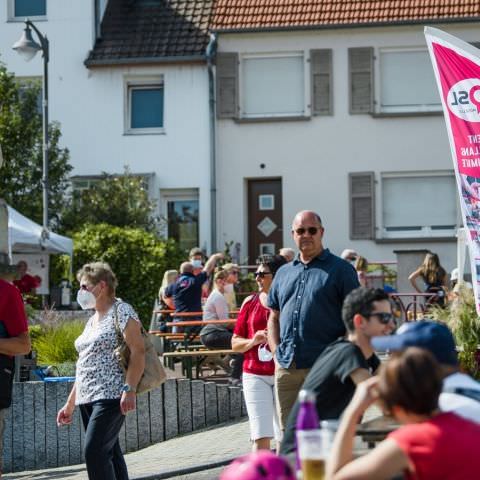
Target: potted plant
461 316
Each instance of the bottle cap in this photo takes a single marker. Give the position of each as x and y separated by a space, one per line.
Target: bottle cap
330 424
306 396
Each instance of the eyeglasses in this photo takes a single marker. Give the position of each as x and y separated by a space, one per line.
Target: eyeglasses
262 274
310 230
384 318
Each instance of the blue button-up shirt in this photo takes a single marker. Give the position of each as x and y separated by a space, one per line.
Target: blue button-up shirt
309 298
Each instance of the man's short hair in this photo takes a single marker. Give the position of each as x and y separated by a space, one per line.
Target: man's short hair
196 251
186 267
360 301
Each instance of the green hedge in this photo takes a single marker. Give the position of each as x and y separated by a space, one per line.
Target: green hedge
137 257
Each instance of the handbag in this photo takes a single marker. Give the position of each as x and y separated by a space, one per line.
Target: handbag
154 374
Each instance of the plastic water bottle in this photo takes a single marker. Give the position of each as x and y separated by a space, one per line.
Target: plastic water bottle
310 459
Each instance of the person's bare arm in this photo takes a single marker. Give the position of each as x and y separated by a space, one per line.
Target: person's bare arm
413 279
136 364
241 345
169 302
385 461
65 414
273 330
211 262
19 345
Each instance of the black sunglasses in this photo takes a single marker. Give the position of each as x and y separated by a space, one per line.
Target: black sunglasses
384 318
310 230
262 274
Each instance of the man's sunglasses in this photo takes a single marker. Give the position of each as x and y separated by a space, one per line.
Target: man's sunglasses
384 318
262 274
310 230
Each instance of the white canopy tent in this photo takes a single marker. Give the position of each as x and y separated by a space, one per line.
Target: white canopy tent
26 236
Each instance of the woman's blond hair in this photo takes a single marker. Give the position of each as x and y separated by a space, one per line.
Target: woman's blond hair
96 272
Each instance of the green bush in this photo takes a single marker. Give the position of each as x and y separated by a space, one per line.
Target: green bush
54 343
137 257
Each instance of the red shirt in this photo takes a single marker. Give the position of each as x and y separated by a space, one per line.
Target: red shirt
252 317
13 320
27 283
442 448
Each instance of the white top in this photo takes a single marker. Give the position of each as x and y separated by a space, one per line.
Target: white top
99 375
216 307
460 404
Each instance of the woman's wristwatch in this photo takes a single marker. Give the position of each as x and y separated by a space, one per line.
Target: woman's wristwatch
128 388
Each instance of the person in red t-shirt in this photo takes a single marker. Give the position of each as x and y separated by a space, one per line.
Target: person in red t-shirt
430 445
250 338
26 283
14 338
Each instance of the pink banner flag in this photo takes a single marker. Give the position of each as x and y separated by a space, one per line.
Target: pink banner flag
457 70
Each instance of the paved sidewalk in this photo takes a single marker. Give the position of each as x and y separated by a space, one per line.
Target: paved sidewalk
181 455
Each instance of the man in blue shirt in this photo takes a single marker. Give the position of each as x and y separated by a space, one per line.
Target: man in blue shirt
306 300
187 290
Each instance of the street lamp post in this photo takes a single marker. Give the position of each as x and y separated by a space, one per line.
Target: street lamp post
27 47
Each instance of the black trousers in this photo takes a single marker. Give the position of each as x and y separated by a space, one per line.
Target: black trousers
223 340
102 421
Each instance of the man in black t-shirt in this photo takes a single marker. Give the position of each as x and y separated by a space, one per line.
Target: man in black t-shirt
347 361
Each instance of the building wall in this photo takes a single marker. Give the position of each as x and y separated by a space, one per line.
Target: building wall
314 157
89 104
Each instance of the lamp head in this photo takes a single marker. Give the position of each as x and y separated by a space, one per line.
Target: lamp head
27 47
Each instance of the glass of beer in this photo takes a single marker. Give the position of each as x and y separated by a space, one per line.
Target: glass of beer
311 454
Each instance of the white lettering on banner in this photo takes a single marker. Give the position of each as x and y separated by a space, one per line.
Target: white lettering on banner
470 162
469 151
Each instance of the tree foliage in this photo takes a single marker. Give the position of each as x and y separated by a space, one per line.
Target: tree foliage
138 258
119 200
21 140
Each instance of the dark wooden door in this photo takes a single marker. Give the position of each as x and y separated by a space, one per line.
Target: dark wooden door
265 227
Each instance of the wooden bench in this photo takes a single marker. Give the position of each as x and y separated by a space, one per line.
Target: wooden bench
188 356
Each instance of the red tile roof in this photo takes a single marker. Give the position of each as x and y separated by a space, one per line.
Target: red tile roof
266 14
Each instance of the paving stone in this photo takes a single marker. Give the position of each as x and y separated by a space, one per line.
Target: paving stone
170 408
198 404
211 407
223 403
184 393
235 394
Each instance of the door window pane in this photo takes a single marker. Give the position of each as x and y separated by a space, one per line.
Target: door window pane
146 107
273 86
183 222
30 8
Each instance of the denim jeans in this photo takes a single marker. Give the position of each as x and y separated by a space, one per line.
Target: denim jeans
103 420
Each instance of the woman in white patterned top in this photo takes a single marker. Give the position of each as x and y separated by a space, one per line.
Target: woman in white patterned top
104 393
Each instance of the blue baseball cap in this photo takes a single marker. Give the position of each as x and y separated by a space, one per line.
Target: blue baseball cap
433 336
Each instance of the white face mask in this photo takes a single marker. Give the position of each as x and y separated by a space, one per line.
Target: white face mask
228 288
86 299
197 264
264 354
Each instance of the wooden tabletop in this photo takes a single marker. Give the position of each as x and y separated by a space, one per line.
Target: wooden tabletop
199 323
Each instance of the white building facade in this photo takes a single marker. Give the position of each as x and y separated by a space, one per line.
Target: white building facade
346 122
147 111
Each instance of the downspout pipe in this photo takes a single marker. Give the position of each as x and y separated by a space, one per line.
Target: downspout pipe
210 53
